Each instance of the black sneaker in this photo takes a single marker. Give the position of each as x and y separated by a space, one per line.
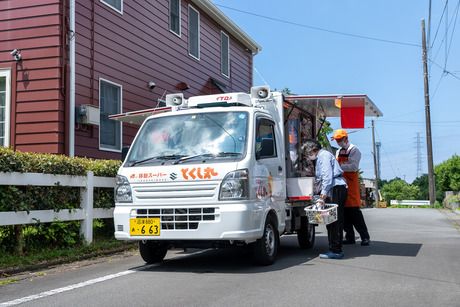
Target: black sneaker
365 242
348 242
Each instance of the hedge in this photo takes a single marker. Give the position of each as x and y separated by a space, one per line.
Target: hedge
27 198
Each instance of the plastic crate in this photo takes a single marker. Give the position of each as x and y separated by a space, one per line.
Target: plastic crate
326 215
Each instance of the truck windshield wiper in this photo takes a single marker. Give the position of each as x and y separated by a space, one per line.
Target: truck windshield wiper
164 157
214 155
227 154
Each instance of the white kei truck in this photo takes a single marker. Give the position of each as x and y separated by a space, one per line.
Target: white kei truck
216 171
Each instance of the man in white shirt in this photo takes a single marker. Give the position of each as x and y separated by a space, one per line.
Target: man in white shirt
349 156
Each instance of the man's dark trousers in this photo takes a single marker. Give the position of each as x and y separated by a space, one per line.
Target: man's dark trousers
335 230
354 217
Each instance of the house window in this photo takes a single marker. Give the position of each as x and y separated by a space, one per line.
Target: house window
110 135
117 5
193 32
5 92
174 16
224 54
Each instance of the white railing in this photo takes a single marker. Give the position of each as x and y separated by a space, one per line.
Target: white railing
410 202
86 213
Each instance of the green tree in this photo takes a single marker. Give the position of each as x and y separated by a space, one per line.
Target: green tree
422 183
286 91
322 135
399 189
448 175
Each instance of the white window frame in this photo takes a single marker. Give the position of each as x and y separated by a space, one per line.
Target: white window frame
112 7
7 73
199 35
121 110
222 34
180 19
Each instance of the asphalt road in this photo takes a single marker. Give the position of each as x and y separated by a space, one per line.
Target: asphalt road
413 260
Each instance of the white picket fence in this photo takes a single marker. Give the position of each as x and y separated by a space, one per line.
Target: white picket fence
86 213
410 202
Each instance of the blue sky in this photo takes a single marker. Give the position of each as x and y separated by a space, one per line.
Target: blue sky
309 61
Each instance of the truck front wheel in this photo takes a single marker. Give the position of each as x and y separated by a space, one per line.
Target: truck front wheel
266 248
152 251
306 233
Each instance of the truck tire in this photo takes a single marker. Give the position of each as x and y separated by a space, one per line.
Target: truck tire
266 248
306 233
152 251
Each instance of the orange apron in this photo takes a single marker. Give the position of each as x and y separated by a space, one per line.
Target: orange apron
352 179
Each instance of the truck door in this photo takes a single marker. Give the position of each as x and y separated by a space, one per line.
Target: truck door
269 166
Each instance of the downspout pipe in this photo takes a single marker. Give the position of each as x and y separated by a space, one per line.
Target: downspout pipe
72 80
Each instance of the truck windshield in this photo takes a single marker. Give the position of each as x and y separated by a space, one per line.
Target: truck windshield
187 137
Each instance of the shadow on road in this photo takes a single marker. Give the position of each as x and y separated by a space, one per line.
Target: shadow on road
382 248
239 259
235 260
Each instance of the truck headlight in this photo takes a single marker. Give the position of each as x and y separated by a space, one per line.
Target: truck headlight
123 193
235 185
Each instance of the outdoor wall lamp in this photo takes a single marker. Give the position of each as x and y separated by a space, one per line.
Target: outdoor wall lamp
152 85
16 55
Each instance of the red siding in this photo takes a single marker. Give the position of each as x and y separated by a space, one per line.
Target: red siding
136 47
35 27
130 49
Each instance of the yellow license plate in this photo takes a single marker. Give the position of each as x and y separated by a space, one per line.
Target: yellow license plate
144 226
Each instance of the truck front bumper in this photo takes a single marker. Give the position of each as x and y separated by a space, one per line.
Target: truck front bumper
241 221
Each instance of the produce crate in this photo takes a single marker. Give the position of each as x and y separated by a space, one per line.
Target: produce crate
326 215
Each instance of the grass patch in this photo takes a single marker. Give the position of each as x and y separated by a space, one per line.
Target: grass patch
43 257
8 281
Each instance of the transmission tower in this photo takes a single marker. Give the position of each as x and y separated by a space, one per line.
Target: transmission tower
418 146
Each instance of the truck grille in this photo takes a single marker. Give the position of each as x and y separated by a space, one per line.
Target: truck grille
171 192
179 218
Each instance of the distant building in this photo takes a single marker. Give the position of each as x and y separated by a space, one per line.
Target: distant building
104 57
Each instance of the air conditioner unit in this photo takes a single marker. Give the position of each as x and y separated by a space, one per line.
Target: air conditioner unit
88 114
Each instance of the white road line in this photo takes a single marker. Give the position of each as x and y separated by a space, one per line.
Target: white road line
85 283
65 289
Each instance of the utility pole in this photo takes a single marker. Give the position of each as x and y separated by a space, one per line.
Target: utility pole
376 171
429 145
378 144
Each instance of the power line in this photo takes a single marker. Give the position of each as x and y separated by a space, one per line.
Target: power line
439 25
445 71
445 36
408 113
437 85
417 122
260 75
386 155
322 29
453 31
429 22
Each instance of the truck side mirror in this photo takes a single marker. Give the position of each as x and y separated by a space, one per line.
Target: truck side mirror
124 152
